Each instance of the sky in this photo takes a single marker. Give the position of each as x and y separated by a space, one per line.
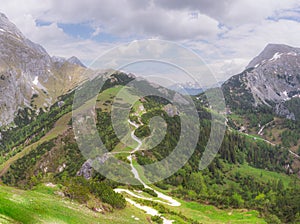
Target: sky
226 34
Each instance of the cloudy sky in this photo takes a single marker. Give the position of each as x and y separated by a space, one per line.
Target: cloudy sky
227 34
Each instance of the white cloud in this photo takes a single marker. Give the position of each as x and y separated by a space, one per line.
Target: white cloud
96 32
243 12
232 12
133 19
226 33
230 54
41 34
53 38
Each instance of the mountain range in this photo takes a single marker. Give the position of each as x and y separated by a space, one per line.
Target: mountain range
44 177
32 78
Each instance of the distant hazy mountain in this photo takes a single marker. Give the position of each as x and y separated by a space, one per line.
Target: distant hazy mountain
192 88
75 61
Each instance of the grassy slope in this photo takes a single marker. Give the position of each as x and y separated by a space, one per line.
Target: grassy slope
43 206
264 175
59 127
27 205
211 214
116 94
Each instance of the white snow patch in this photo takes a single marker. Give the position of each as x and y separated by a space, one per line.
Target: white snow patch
256 65
292 53
70 78
149 211
36 80
276 56
2 30
285 93
296 96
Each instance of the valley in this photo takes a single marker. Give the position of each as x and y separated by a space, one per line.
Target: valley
48 176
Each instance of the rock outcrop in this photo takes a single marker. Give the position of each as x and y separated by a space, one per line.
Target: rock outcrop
27 70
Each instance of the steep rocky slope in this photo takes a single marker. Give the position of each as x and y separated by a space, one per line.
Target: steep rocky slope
271 79
28 75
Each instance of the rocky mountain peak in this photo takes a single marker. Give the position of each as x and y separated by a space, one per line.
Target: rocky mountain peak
272 52
75 61
272 78
7 28
13 45
26 69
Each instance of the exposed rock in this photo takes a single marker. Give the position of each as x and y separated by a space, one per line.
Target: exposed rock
269 52
271 78
171 110
86 170
75 61
281 110
98 210
60 103
50 185
288 169
26 69
59 193
61 168
180 99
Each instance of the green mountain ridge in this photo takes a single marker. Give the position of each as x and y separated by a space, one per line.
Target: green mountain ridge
253 178
236 179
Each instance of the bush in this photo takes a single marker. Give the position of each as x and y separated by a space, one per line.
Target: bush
150 191
142 131
77 192
157 219
107 195
163 186
272 219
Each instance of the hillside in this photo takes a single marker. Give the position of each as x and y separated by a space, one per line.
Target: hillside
263 100
29 76
270 79
44 204
47 176
54 157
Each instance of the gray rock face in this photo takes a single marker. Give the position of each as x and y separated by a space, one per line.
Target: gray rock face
269 51
281 110
86 170
60 61
271 78
27 69
75 61
276 79
20 62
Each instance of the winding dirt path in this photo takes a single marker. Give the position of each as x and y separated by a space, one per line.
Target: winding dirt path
167 200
